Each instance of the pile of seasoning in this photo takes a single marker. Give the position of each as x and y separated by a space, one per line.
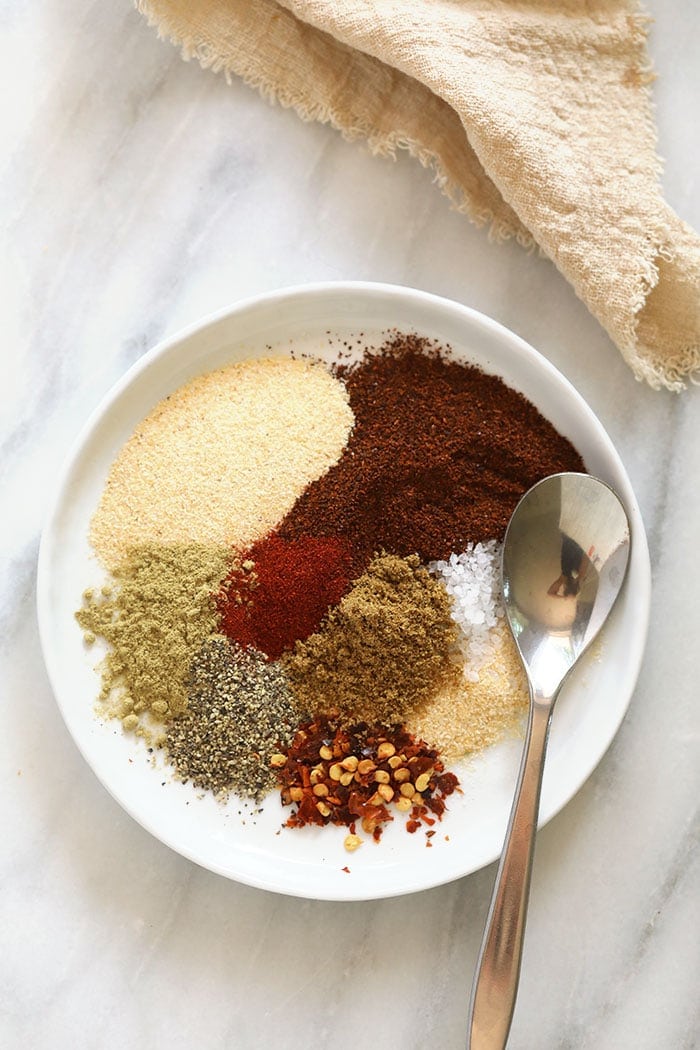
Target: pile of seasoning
223 458
239 713
439 456
385 648
471 714
302 579
340 774
155 615
280 590
472 581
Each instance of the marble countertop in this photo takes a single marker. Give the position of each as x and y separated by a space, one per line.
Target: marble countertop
139 194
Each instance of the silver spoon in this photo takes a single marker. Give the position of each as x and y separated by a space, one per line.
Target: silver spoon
565 556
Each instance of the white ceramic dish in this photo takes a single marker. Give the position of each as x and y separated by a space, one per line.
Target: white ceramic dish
311 862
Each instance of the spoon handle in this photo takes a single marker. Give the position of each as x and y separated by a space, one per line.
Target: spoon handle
498 969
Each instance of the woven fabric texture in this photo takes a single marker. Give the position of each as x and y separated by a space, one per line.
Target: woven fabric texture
536 118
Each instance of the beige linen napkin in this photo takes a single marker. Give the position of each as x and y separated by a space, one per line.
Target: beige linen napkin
534 114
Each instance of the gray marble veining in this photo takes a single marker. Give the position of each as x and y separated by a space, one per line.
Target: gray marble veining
138 194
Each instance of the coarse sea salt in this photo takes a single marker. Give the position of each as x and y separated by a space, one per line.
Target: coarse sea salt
472 579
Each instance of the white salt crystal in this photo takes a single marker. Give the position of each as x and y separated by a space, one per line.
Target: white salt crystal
472 579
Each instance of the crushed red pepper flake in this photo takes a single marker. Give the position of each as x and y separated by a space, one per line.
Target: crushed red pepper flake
362 774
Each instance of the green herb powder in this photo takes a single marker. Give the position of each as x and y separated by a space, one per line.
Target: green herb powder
154 618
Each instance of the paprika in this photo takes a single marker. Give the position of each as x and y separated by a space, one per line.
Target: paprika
281 589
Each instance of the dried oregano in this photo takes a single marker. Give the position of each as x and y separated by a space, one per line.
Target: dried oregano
154 617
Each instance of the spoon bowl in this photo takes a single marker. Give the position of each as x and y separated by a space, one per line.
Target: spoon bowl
565 557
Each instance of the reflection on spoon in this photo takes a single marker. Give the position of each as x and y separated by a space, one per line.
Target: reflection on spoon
565 557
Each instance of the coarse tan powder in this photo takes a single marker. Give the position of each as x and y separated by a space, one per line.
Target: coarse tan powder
222 459
155 617
467 716
382 650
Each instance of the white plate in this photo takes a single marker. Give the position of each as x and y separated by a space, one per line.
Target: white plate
310 862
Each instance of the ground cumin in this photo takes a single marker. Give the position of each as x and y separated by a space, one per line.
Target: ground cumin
155 618
382 650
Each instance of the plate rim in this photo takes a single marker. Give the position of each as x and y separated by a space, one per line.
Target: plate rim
643 585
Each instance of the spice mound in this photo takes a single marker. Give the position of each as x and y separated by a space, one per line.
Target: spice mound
222 459
302 587
385 648
338 774
239 713
280 590
155 616
439 456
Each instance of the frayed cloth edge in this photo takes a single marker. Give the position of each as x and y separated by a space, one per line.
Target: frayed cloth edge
386 146
643 360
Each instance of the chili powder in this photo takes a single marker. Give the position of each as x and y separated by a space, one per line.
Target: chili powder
439 456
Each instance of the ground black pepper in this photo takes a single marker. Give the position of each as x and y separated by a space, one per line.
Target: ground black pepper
239 713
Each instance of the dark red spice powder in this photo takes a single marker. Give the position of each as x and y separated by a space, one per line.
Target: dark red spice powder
281 589
439 456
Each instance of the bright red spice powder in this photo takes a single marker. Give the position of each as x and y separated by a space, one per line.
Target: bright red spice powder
282 589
